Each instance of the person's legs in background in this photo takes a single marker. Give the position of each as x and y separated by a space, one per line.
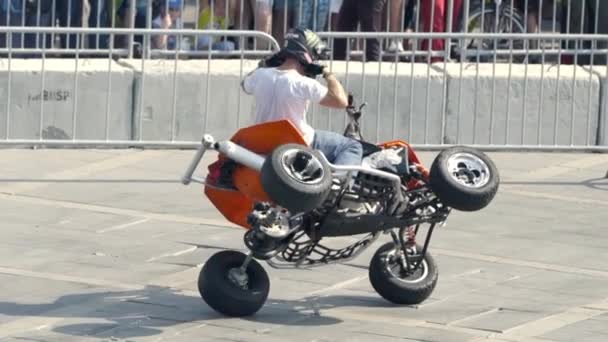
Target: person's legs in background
370 12
284 18
572 13
262 16
396 23
347 22
434 14
598 14
313 14
335 6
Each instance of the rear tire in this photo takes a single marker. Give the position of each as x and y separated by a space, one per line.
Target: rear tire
224 295
296 177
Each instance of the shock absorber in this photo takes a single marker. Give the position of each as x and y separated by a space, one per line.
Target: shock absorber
410 236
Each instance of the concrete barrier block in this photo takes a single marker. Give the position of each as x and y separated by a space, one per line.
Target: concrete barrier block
226 107
404 101
72 98
207 99
521 105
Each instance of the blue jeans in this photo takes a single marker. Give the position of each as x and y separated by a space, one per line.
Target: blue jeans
337 148
311 20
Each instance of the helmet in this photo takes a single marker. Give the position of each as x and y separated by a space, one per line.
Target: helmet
304 45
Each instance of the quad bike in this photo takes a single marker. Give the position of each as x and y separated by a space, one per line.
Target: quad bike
290 199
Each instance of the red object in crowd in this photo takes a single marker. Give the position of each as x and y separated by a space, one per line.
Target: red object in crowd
567 60
438 22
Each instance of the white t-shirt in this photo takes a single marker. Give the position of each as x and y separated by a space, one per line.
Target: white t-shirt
284 94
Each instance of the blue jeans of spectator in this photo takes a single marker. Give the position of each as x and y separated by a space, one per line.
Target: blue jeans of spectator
338 149
69 14
313 14
222 45
14 16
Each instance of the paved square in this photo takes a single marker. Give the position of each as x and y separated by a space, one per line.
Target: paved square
106 245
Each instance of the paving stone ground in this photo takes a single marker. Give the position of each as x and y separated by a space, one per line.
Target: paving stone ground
106 245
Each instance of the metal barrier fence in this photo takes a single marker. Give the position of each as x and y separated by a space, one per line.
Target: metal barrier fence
483 98
274 17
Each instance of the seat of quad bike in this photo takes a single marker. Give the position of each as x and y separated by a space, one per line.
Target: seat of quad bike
368 148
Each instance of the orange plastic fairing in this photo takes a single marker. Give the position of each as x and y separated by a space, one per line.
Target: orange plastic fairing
236 204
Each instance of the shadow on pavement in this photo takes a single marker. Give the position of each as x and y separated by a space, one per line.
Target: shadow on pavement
146 312
594 183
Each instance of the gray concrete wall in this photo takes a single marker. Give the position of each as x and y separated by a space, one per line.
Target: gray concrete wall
66 88
203 101
404 100
537 104
418 103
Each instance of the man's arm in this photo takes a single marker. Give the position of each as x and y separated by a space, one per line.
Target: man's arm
244 83
336 96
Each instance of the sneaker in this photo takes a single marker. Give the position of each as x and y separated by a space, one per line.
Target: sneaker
395 46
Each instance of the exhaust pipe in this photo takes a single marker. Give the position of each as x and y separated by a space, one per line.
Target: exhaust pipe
240 155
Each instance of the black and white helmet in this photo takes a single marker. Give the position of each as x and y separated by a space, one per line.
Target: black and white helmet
305 45
301 44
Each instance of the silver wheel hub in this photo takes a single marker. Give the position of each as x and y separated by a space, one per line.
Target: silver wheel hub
396 269
302 166
468 170
239 278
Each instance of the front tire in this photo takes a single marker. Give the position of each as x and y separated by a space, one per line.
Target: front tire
464 178
390 280
223 294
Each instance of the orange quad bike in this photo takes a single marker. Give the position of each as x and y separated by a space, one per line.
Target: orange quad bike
290 199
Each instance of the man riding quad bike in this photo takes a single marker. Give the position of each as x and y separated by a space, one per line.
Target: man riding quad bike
291 187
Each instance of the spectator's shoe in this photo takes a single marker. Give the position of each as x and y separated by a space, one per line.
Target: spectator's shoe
395 46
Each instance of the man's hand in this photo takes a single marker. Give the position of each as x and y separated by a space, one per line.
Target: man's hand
326 73
336 96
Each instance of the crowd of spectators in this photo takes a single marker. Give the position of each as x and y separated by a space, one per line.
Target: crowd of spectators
271 16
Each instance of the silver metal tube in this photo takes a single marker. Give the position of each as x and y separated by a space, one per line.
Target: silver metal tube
195 145
132 24
525 107
411 112
394 132
240 155
263 35
108 97
8 88
207 97
205 144
540 105
428 102
142 95
396 180
174 97
42 97
75 94
378 97
572 102
362 125
556 103
100 52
